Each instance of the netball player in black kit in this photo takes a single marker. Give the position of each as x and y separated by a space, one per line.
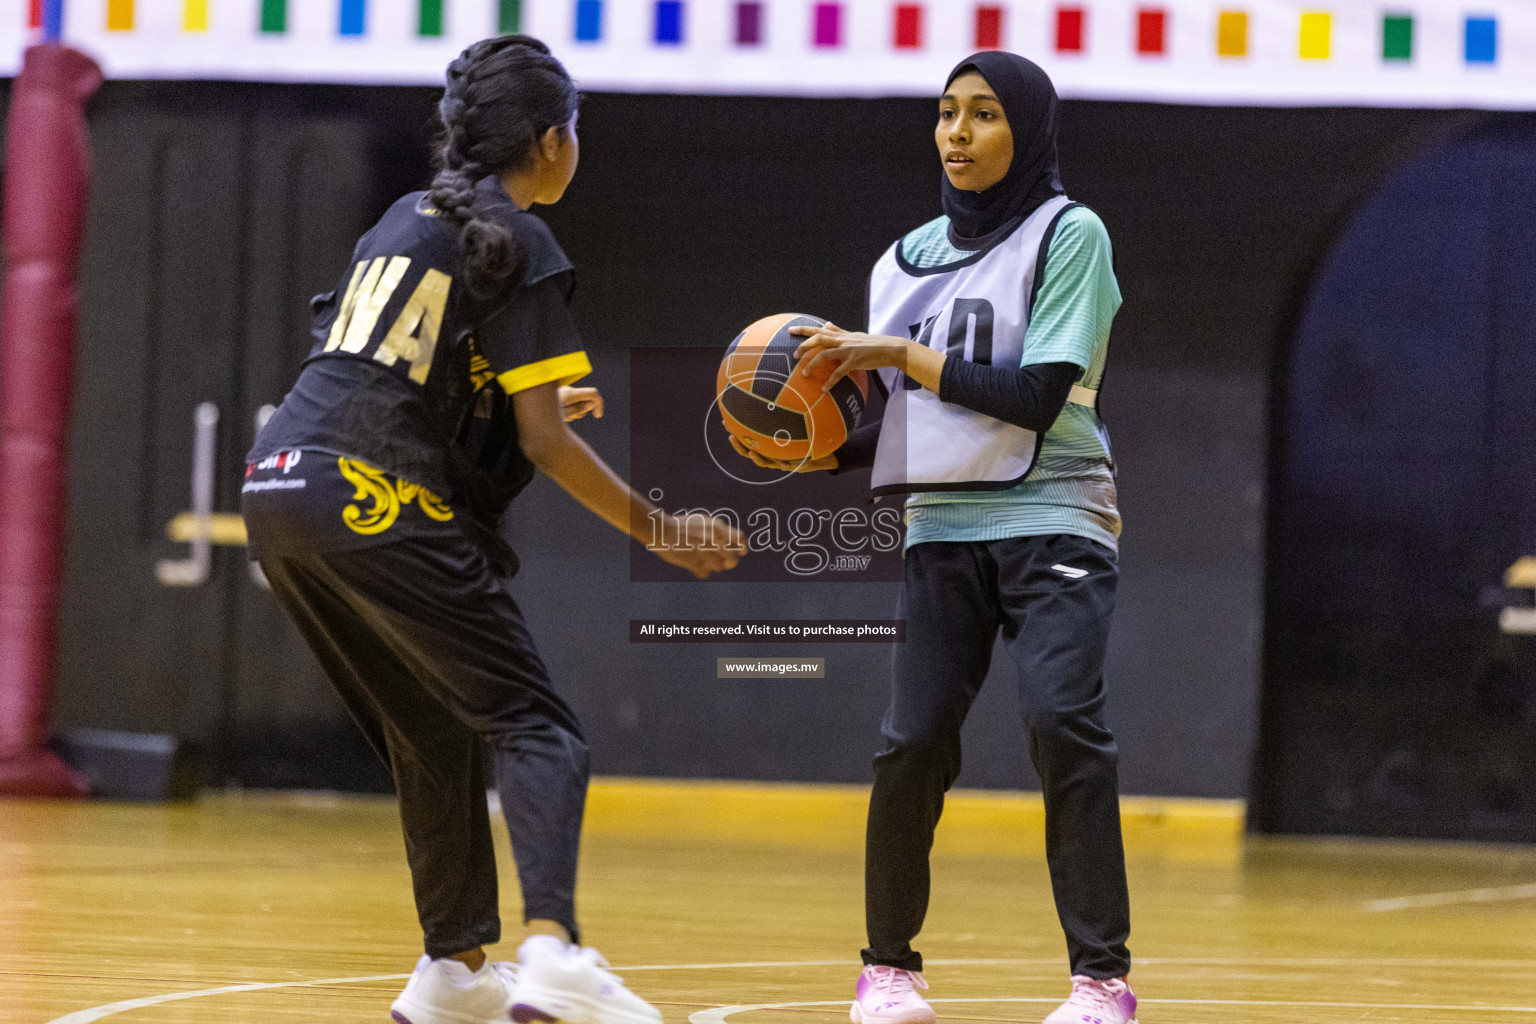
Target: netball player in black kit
372 499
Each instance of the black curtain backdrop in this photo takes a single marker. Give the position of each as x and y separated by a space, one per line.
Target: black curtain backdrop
221 207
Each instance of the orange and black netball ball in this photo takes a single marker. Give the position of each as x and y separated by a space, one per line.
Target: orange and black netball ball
765 395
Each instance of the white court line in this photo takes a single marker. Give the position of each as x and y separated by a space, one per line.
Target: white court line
96 1013
719 1014
1501 894
749 963
1458 963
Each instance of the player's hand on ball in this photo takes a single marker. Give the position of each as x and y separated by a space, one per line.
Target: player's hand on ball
837 353
578 402
700 545
746 449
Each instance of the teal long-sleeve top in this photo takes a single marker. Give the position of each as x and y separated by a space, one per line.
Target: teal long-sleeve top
1072 487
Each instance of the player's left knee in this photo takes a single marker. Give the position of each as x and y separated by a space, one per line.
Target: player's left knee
580 754
548 739
1070 727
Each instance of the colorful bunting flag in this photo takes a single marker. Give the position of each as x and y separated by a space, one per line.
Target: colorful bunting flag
509 16
827 25
1232 34
274 16
429 18
1151 31
1316 35
119 15
1397 37
1069 29
353 19
194 16
909 26
989 27
1098 47
589 20
1482 40
749 23
669 22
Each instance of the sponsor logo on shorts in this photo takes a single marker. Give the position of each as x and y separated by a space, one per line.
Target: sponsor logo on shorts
277 484
285 461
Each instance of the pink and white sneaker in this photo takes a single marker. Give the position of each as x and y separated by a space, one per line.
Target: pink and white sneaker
1097 1002
888 995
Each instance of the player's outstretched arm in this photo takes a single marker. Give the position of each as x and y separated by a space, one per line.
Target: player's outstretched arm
568 461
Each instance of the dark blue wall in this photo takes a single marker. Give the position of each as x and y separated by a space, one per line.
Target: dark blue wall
1406 485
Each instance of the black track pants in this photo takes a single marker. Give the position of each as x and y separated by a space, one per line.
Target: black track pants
1055 625
431 655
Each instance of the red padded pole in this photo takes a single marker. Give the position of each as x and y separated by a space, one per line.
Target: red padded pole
47 183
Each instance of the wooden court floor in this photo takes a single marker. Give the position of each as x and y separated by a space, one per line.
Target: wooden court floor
286 909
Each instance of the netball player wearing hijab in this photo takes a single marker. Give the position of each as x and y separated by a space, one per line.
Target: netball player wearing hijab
435 371
990 326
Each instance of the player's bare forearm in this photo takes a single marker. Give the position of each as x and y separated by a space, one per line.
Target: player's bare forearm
925 365
701 548
583 475
566 459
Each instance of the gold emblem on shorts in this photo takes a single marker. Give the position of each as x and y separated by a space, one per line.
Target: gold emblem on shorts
385 496
431 504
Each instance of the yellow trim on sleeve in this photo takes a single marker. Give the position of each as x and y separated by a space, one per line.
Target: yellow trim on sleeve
564 369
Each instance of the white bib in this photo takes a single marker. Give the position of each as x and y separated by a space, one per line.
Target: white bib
976 309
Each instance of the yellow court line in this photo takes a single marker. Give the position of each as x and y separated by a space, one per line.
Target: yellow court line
976 822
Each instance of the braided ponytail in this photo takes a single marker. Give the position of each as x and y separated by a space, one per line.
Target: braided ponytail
502 95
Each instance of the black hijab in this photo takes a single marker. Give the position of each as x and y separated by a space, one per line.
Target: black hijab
1029 102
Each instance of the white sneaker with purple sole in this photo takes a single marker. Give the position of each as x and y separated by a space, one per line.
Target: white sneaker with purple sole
1097 1002
448 992
557 981
888 995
